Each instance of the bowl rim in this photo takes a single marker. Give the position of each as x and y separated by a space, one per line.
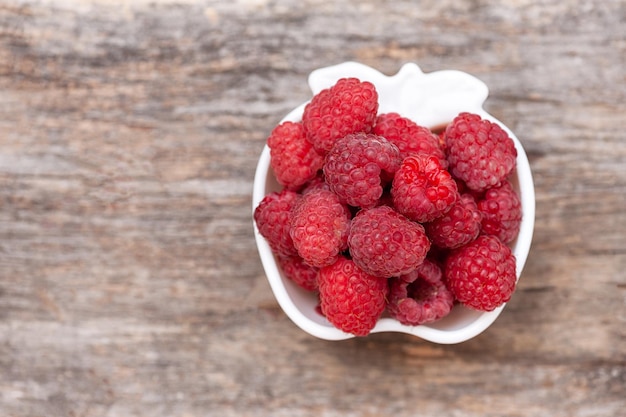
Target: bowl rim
433 332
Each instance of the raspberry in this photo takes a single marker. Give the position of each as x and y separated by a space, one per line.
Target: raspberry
502 212
422 190
384 243
350 106
319 227
351 299
293 158
357 166
481 274
459 226
479 152
295 269
273 219
420 296
409 137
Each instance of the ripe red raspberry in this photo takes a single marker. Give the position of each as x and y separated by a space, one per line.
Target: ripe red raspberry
409 137
459 226
422 190
295 269
350 106
319 227
479 152
501 212
384 243
419 297
357 167
351 299
481 274
293 158
273 219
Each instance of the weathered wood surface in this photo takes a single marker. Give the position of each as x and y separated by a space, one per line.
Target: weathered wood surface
130 284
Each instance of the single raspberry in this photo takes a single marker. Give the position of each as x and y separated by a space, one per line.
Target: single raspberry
419 297
409 137
459 226
357 167
319 227
350 106
479 152
481 274
295 269
351 299
422 189
273 219
501 212
384 243
292 158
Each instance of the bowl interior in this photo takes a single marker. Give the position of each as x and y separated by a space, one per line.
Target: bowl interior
462 323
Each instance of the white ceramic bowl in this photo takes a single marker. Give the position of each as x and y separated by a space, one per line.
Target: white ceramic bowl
432 100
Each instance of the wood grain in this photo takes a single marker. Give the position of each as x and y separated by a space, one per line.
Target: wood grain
130 284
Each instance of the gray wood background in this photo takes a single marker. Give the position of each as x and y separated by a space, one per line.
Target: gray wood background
130 284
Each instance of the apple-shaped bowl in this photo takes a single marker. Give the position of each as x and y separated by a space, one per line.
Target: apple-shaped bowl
429 99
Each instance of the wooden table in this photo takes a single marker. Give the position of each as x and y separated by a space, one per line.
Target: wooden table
130 284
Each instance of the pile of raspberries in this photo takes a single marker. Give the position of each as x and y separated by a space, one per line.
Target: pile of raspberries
380 216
